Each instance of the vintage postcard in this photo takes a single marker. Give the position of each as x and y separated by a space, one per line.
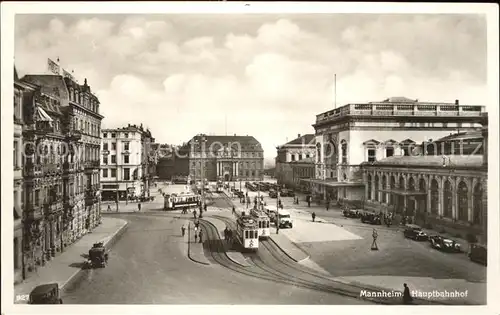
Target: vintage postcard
278 155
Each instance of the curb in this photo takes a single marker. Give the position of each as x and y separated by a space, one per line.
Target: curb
79 274
189 251
284 251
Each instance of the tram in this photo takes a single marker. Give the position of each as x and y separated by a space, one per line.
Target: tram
181 200
247 232
263 222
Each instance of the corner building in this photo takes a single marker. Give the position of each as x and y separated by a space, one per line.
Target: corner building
295 159
357 133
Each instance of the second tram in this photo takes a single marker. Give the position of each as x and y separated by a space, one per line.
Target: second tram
247 232
181 200
263 222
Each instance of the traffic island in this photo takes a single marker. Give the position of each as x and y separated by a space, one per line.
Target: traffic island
195 248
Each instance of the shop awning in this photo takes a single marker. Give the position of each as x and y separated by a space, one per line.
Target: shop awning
42 115
403 192
332 183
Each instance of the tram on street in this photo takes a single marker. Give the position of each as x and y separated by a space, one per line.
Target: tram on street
182 200
263 222
247 232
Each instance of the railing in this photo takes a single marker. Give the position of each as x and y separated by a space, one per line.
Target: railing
74 135
422 109
32 170
50 168
92 164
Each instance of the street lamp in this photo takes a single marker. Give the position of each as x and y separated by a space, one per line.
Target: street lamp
277 212
201 143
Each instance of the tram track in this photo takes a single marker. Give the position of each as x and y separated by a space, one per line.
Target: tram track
271 260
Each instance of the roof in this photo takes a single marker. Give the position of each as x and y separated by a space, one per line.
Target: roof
462 136
44 288
399 99
305 139
244 141
432 160
52 85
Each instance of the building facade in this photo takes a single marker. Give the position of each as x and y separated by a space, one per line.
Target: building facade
78 123
302 170
357 133
227 158
124 162
446 190
291 154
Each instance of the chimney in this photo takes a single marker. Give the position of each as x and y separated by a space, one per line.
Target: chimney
298 136
456 102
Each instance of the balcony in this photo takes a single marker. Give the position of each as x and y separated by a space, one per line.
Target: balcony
91 196
32 213
74 135
92 164
69 167
69 202
51 169
32 170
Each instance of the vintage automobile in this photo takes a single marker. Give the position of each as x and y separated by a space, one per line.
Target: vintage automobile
351 213
98 257
371 218
444 244
478 253
415 233
273 193
45 294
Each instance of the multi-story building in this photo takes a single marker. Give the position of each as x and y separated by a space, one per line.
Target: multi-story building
18 189
148 160
124 162
227 158
79 126
357 133
444 185
302 169
298 150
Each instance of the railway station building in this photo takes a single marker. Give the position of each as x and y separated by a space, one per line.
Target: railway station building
350 135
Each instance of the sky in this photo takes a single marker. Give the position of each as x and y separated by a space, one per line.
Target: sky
264 75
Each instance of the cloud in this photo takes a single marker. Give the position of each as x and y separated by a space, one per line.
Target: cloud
267 79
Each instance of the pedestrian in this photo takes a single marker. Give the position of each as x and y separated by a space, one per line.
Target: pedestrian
194 214
225 234
314 216
109 208
309 201
234 210
195 236
327 205
139 206
205 206
407 299
183 230
201 236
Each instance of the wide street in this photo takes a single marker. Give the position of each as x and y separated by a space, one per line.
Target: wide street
149 265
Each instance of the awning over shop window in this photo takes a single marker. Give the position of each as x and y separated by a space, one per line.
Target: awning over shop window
404 192
42 115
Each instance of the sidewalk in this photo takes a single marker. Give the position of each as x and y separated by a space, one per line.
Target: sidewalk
235 256
65 267
195 249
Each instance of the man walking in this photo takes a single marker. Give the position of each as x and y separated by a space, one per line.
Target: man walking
139 207
201 236
327 205
183 230
407 299
313 216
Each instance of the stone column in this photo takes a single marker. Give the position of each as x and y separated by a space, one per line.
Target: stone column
454 199
366 187
217 170
441 199
470 204
484 211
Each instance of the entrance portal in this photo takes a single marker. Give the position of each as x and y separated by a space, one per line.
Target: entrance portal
226 177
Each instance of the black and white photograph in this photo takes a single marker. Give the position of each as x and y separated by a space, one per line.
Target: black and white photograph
247 154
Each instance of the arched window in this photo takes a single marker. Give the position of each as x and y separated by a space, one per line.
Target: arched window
463 202
71 94
369 186
411 184
343 149
376 187
384 185
77 97
477 206
448 197
402 183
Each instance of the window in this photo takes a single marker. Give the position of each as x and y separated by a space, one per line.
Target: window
463 202
126 173
307 156
447 202
113 172
16 253
477 204
369 187
105 146
126 134
343 147
126 159
126 146
300 157
293 157
372 155
246 234
104 173
113 145
113 135
105 159
389 152
113 159
16 149
104 134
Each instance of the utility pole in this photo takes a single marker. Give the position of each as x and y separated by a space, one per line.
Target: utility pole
278 212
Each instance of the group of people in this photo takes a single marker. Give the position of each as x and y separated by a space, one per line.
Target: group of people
228 235
198 233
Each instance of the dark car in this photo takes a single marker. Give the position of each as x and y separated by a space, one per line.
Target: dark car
370 218
273 193
415 233
45 294
444 244
478 254
349 213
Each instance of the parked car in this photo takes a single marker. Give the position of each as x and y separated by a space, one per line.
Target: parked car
350 213
415 233
45 294
273 193
371 218
444 244
478 254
